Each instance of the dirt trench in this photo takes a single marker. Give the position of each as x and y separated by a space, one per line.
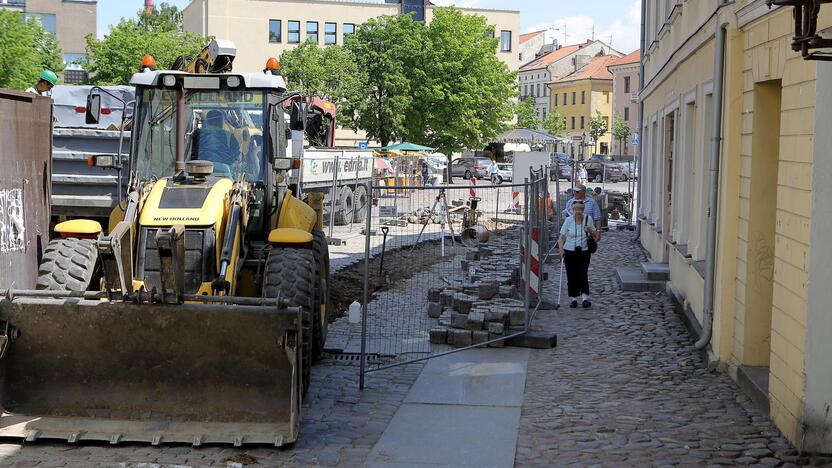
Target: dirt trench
347 285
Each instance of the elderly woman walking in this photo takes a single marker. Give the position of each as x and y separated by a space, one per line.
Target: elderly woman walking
575 235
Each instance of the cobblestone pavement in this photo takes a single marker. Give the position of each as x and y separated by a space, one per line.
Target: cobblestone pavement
626 387
339 428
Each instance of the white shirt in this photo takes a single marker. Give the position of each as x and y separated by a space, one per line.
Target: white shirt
493 168
575 233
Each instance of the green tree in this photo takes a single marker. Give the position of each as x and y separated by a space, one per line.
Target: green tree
115 58
25 50
598 127
388 50
620 131
464 94
330 72
555 124
526 117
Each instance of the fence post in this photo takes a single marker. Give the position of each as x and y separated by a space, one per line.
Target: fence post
527 254
365 298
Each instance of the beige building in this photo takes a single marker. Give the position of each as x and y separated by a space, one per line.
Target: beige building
264 28
563 60
723 84
625 99
69 20
531 44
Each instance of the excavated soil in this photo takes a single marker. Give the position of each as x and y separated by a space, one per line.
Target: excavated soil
347 285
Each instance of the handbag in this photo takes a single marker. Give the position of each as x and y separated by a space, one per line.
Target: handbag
591 244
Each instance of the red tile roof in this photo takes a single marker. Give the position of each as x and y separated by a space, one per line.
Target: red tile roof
632 57
529 35
551 57
596 69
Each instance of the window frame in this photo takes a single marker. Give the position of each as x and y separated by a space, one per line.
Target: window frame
626 85
346 34
505 47
289 32
327 33
279 31
317 32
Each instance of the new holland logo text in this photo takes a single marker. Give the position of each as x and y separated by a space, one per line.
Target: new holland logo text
166 219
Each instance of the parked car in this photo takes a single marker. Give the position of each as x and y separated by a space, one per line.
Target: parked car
470 166
601 158
505 172
594 172
564 172
628 169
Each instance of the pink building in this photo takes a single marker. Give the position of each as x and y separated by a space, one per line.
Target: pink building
625 99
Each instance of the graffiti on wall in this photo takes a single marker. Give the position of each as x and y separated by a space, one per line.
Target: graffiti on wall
12 227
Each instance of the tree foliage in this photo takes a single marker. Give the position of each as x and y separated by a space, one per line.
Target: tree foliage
526 116
555 124
620 131
597 128
26 49
330 73
463 95
115 58
388 50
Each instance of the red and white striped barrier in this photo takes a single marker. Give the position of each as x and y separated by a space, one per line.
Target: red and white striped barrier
534 283
471 190
514 207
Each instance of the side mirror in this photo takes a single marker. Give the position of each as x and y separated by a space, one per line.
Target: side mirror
276 113
93 109
297 118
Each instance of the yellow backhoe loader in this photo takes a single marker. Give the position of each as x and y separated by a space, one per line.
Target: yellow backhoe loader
195 316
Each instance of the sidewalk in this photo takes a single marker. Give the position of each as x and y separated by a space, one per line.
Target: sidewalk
463 410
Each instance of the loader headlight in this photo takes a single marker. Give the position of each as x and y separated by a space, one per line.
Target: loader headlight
283 164
233 81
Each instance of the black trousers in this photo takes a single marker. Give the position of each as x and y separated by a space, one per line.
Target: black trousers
577 271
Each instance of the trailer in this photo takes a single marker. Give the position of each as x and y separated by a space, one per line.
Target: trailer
341 175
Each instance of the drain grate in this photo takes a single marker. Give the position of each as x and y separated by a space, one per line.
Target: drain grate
352 358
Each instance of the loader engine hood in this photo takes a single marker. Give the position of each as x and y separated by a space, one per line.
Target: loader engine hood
187 203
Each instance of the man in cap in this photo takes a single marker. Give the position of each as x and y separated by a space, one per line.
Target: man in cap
590 207
47 80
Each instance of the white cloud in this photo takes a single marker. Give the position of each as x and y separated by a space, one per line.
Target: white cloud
625 31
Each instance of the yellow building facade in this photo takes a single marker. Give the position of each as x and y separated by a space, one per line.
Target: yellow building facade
582 95
771 278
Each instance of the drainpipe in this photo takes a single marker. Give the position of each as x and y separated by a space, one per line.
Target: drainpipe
641 119
713 198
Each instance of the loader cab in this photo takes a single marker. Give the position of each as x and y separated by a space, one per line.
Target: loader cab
233 120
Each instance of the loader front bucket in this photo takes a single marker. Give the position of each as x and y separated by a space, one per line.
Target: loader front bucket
122 372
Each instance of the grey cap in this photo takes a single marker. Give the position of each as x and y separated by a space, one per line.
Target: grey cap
580 187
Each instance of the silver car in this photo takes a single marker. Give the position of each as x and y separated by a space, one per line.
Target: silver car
470 166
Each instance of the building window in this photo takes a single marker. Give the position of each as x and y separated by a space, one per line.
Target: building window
505 41
75 61
583 97
607 95
538 90
416 7
275 31
312 31
627 114
573 97
330 33
582 121
564 99
293 32
556 100
573 122
46 20
349 30
626 84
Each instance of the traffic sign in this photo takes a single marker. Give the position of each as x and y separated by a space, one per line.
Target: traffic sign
577 138
635 139
363 144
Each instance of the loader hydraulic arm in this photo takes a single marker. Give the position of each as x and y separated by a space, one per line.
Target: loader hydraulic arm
235 223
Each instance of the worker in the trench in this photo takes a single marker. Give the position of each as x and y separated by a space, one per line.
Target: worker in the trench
47 80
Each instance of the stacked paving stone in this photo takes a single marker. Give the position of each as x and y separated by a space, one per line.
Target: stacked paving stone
481 305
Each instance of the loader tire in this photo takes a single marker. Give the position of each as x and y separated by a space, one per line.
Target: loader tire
320 249
290 274
68 265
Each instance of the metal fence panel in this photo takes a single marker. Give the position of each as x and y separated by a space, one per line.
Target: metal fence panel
443 268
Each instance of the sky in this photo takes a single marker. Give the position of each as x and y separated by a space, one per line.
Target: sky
619 19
